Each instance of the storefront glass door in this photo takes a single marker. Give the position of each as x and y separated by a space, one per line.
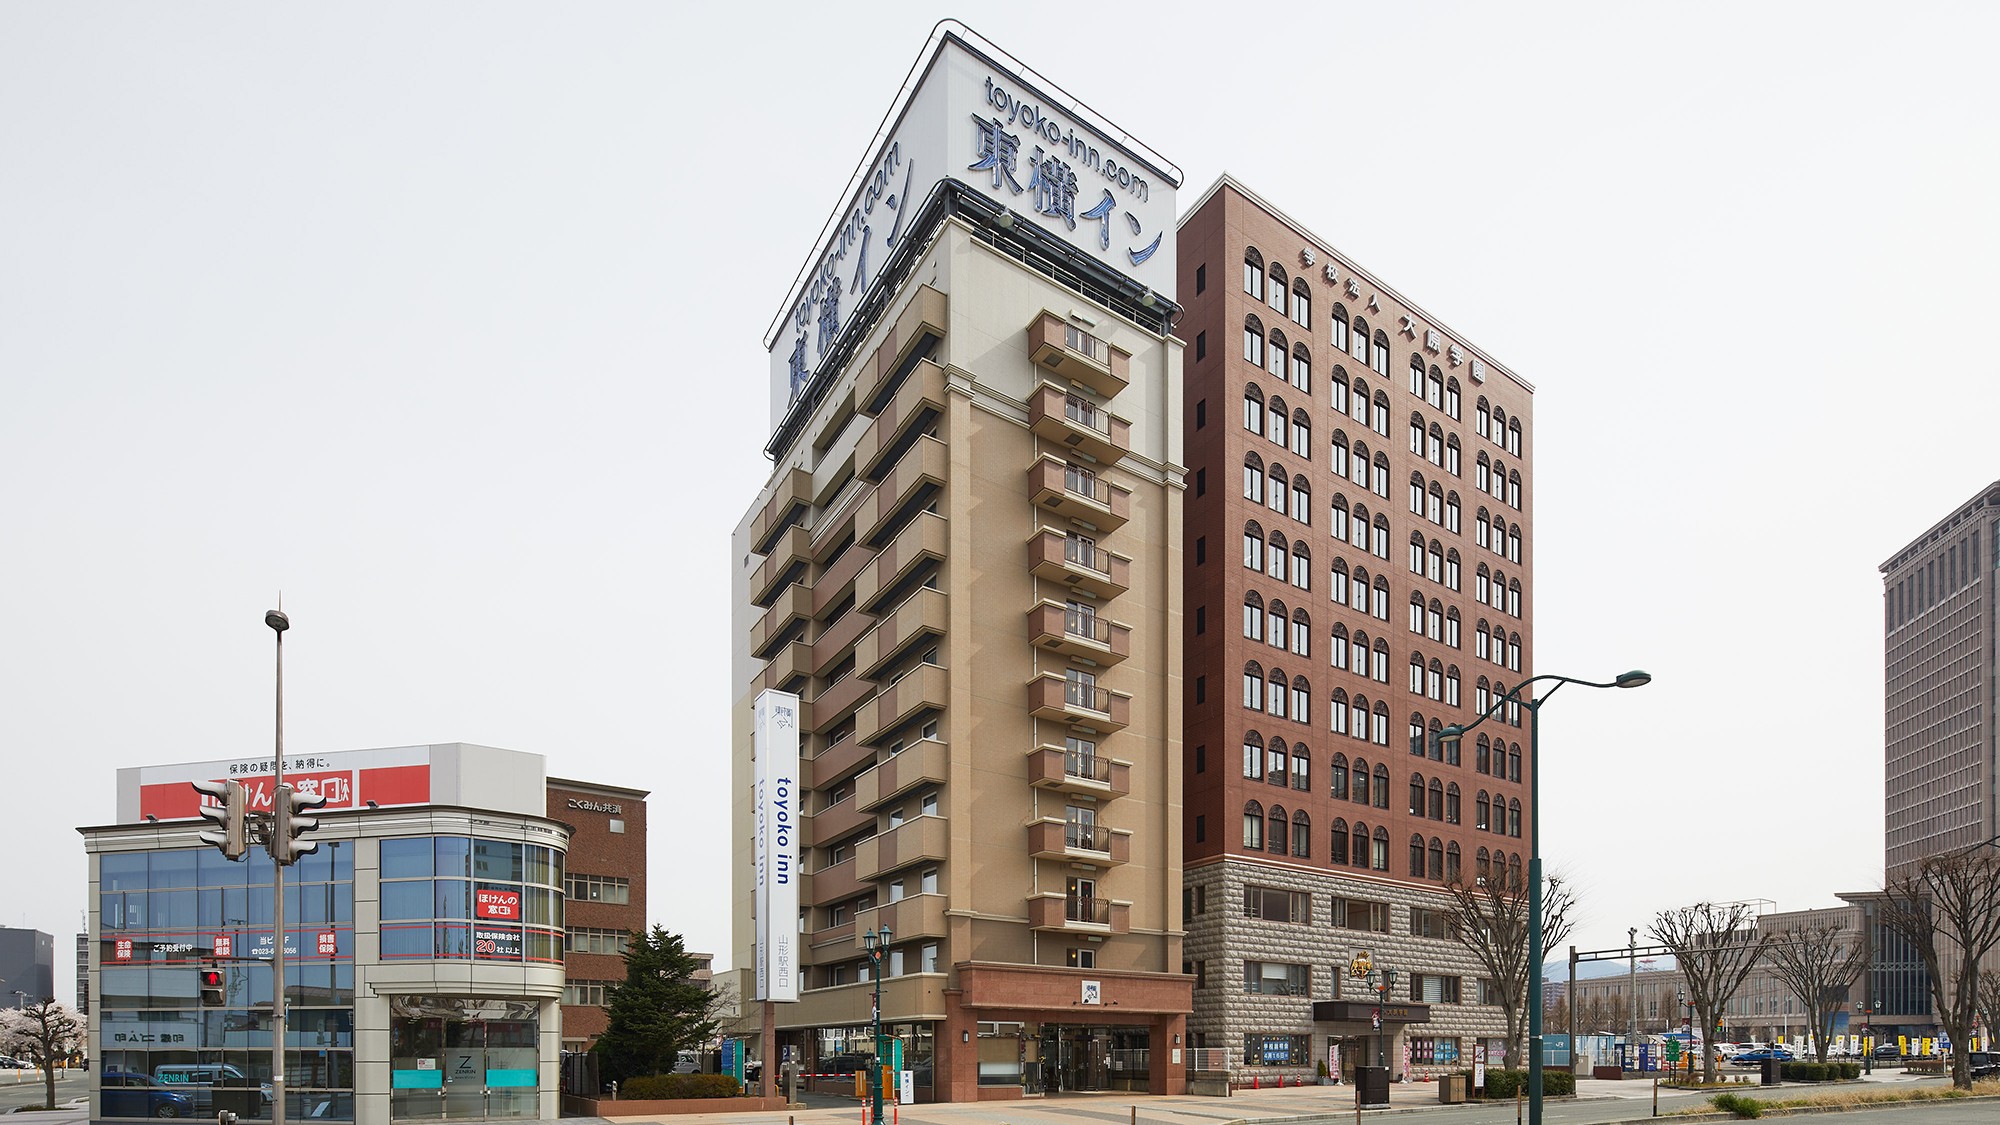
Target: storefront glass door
457 1060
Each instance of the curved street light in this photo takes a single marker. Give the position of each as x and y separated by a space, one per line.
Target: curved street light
877 946
1454 733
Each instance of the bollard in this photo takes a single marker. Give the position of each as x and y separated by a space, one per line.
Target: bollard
1656 1097
1135 1115
1517 1105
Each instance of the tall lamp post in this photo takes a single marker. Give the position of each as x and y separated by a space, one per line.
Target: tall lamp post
1383 982
877 944
278 622
1454 733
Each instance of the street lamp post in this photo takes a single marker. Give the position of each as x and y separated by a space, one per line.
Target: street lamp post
1382 982
878 954
278 622
1455 732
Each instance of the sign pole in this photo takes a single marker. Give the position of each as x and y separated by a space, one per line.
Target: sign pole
278 623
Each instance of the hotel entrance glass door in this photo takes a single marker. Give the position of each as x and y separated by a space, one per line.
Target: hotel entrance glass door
459 1060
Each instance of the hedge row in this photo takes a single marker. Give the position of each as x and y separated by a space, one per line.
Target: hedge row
1504 1084
1818 1072
674 1087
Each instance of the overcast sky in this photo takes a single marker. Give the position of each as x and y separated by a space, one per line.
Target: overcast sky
445 321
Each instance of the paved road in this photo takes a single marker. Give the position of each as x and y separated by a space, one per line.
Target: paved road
24 1087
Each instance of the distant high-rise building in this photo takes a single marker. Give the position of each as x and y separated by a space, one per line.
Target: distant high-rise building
27 966
83 973
1941 753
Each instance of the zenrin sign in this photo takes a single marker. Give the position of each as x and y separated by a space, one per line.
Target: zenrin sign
976 116
775 730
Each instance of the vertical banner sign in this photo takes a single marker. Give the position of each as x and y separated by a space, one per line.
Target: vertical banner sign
775 727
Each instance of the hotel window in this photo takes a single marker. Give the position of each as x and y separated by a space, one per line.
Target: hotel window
1301 633
1337 582
1253 756
1253 409
1339 464
1301 700
1514 436
1434 390
1379 418
1379 851
1361 775
1301 566
1302 308
1302 368
1253 273
1253 616
1253 547
1338 334
1451 397
1253 826
1277 354
1301 435
1453 459
1301 768
1417 385
1451 615
1253 341
1278 287
1358 343
1268 978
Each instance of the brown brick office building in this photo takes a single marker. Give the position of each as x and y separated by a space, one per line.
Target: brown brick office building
604 884
1359 572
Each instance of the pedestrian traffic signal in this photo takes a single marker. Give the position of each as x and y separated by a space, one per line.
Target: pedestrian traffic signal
229 812
288 826
211 988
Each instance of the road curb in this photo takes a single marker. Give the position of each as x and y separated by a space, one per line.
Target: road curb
1804 1110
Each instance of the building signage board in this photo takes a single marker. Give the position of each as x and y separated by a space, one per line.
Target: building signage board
775 731
347 779
502 905
496 943
975 115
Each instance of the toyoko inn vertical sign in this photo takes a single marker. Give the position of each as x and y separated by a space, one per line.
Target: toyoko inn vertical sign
775 727
974 115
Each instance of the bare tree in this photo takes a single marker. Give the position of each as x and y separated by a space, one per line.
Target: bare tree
45 1033
1948 908
1491 916
1817 960
1989 1006
1715 945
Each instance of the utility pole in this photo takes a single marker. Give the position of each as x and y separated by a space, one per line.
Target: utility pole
1632 977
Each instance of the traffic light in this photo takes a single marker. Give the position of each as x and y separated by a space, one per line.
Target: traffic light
287 825
228 811
211 987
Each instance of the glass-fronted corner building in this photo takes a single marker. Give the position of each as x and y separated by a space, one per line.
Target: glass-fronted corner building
424 943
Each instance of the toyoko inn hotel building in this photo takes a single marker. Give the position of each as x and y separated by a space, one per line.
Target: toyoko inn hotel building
425 947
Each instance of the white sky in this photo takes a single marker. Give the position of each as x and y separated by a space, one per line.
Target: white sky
445 321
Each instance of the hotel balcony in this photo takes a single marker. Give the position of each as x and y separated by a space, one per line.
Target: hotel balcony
1079 494
923 540
1079 843
919 839
833 884
1091 775
1057 416
923 688
787 664
836 579
836 821
923 762
912 916
838 760
920 616
911 484
1086 636
833 945
921 322
789 561
1076 355
1084 915
835 640
792 606
838 700
910 411
790 502
1051 696
1078 562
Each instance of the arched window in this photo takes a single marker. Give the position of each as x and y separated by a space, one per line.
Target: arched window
1274 699
1337 588
1482 473
1253 755
1379 850
1339 337
1302 307
1513 542
1454 462
1357 597
1274 490
1278 287
1361 778
1301 701
1338 771
1514 489
1451 620
1301 767
1253 408
1276 756
1253 477
1253 826
1381 481
1302 433
1514 872
1253 341
1434 620
1379 665
1481 423
1483 763
1357 408
1416 794
1359 839
1451 396
1417 375
1482 811
1382 778
1514 436
1253 686
1452 513
1434 806
1275 838
1339 465
1338 852
1253 273
1451 868
1483 867
1274 563
1357 711
1301 835
1440 750
1434 388
1434 685
1434 854
1434 507
1451 699
1301 567
1417 496
1416 857
1381 548
1451 813
1279 350
1417 688
1277 419
1514 818
1302 368
1253 616
1379 358
1357 344
1253 546
1433 450
1513 761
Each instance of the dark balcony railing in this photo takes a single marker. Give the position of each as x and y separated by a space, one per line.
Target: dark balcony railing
1089 767
1087 910
1089 837
1087 415
1076 693
1083 483
1085 554
1086 625
1083 343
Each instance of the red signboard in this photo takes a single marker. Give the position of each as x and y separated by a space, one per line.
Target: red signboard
343 789
122 949
225 945
327 947
496 904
